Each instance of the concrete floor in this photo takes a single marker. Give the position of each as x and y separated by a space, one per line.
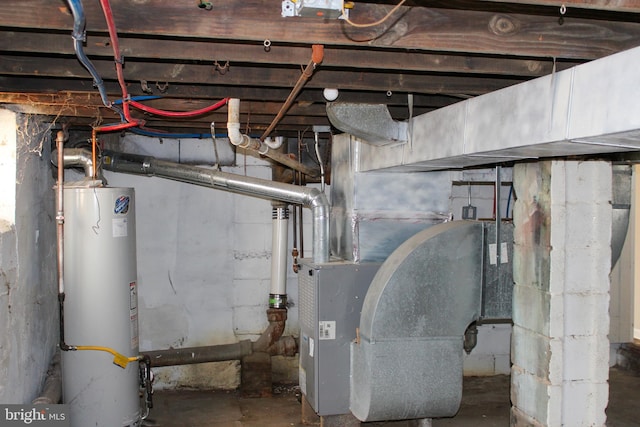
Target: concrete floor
485 403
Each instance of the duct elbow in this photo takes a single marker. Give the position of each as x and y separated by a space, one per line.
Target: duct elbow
76 157
319 205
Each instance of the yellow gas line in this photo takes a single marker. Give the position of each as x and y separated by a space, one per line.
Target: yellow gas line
118 359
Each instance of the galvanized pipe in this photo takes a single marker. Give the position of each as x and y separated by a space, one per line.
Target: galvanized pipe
205 354
311 198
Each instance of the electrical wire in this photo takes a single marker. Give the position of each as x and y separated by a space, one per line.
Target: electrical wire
372 24
509 201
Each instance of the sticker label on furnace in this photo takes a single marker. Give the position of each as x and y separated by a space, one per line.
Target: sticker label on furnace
327 330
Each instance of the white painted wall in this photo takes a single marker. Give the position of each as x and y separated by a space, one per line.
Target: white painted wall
204 260
28 302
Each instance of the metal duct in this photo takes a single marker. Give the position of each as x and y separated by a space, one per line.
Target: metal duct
311 198
620 209
76 157
407 362
589 109
371 122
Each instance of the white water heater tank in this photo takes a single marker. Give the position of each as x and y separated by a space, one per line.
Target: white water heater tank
101 306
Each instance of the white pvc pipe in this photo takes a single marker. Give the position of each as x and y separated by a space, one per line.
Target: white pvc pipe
233 124
277 295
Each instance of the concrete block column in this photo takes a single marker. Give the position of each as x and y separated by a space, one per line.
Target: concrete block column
562 253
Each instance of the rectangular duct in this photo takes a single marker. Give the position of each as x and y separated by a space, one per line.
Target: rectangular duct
588 109
373 213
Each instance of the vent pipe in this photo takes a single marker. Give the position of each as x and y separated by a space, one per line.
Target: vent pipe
311 198
76 157
278 294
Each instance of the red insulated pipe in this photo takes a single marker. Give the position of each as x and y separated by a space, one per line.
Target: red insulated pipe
113 36
166 113
115 127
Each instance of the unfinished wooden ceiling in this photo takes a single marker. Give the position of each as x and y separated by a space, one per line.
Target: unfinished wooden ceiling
192 56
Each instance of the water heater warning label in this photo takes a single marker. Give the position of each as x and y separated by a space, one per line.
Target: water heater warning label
327 330
119 227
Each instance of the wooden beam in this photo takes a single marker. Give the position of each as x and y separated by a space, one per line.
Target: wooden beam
62 86
626 6
238 76
233 54
420 28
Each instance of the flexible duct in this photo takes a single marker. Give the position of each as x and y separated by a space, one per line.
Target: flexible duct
311 198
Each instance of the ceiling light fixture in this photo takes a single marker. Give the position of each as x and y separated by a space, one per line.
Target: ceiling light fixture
330 94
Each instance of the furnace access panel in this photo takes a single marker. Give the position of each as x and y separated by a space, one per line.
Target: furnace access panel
331 297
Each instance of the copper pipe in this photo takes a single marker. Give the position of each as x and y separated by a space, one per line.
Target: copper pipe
317 55
60 211
93 154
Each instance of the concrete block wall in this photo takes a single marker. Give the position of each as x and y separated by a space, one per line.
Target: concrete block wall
560 349
492 354
28 286
204 267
